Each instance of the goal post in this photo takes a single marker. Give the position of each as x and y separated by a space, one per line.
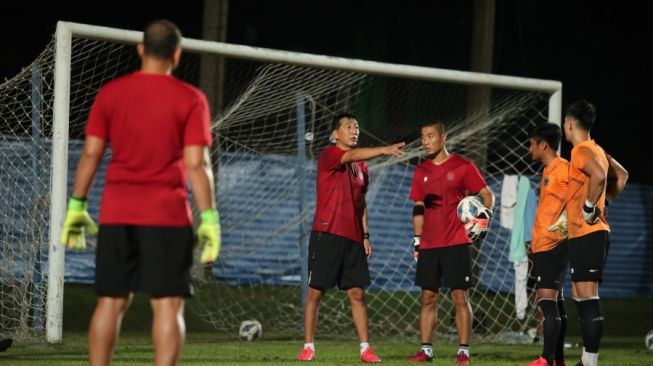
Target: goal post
297 73
59 181
331 62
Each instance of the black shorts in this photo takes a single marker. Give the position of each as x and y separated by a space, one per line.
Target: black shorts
549 267
587 256
333 260
154 260
451 263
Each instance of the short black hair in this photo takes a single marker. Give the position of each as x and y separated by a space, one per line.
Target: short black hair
337 120
548 132
584 112
436 123
161 38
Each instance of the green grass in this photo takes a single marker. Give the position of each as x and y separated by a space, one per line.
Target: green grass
623 343
623 317
212 349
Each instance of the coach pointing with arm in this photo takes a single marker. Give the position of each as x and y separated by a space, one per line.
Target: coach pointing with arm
340 243
159 131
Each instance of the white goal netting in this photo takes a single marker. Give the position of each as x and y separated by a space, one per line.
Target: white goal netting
274 125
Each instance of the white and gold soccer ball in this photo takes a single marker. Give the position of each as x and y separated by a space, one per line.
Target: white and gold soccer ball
250 330
649 340
469 208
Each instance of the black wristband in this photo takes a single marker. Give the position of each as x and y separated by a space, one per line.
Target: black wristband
366 235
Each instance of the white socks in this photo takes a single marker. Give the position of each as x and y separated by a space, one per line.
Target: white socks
428 350
364 346
589 359
463 349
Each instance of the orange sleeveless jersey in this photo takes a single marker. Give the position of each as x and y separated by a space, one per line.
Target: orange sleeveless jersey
553 196
579 188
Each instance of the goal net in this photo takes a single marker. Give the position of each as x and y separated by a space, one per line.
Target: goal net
274 124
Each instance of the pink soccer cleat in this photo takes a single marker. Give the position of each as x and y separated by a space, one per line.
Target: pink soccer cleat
368 356
306 354
540 361
462 359
420 356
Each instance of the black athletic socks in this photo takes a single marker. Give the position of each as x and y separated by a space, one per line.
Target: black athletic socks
560 346
551 328
591 316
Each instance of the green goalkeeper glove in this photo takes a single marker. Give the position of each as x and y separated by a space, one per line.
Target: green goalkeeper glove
208 234
560 224
77 219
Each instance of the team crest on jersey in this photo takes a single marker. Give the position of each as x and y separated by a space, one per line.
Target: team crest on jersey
451 176
546 181
426 179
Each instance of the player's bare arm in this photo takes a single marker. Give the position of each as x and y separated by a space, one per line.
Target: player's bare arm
597 177
198 165
617 178
88 165
366 242
365 153
487 196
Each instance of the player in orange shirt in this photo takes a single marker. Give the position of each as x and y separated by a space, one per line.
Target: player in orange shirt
589 232
617 178
549 241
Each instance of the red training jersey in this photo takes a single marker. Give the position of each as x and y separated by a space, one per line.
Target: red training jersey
441 187
340 195
148 119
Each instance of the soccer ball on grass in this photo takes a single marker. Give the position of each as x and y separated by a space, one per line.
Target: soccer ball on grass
250 330
649 340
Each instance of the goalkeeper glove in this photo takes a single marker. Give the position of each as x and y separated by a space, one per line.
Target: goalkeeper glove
560 224
77 220
591 213
416 241
208 234
477 227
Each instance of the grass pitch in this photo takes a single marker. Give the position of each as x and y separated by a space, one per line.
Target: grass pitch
213 349
623 344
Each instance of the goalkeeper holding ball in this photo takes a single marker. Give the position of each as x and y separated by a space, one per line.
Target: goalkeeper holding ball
442 242
159 131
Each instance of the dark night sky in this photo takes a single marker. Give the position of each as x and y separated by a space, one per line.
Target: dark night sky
597 49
